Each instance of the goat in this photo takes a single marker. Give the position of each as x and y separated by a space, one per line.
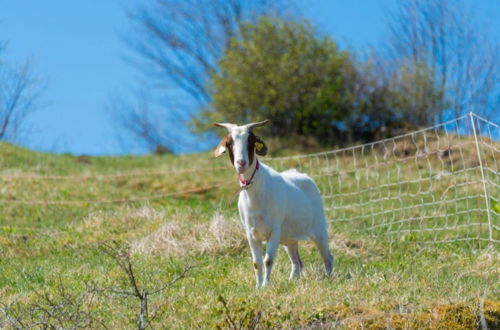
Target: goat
277 208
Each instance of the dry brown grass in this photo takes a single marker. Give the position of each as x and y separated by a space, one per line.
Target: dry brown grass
124 215
354 247
177 238
449 316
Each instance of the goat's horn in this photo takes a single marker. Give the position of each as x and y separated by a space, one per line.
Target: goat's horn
257 124
228 126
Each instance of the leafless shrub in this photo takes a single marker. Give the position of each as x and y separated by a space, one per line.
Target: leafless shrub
66 308
62 309
139 289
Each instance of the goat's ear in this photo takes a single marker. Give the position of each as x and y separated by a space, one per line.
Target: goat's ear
260 147
222 147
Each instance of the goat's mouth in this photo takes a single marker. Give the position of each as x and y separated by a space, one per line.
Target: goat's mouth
240 169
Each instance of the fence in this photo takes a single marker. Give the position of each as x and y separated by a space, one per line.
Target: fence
439 184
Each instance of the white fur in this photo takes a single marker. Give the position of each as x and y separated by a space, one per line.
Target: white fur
240 146
278 208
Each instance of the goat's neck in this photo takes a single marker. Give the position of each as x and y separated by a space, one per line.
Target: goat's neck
257 179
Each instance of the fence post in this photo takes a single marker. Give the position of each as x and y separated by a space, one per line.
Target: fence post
486 195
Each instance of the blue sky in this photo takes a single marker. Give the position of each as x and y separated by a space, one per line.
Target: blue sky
76 46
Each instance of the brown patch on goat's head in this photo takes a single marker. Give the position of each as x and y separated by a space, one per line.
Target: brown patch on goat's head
255 146
225 144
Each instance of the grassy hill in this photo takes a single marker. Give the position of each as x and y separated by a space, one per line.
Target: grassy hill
71 227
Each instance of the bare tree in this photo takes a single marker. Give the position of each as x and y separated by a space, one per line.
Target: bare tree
138 117
19 91
448 61
181 41
178 45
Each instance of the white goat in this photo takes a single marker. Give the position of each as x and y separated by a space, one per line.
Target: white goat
277 208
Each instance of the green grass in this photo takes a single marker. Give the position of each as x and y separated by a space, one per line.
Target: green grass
50 255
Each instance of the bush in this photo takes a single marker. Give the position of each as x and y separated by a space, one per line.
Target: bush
282 71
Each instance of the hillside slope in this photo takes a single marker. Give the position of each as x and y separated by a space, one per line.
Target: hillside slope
67 225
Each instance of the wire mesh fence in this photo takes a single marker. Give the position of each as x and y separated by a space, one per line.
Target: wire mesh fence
438 184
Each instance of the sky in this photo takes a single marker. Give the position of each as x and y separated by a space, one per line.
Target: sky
78 48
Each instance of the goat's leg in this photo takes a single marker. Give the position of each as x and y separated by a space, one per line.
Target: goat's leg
293 254
271 249
256 249
321 241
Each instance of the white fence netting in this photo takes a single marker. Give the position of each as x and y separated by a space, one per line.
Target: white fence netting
438 184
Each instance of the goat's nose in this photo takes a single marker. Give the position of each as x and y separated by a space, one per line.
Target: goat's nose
241 162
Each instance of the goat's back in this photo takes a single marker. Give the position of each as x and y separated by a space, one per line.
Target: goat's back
303 181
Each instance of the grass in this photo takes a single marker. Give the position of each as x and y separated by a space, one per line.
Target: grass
53 269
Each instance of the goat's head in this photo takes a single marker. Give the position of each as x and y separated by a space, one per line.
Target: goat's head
242 144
